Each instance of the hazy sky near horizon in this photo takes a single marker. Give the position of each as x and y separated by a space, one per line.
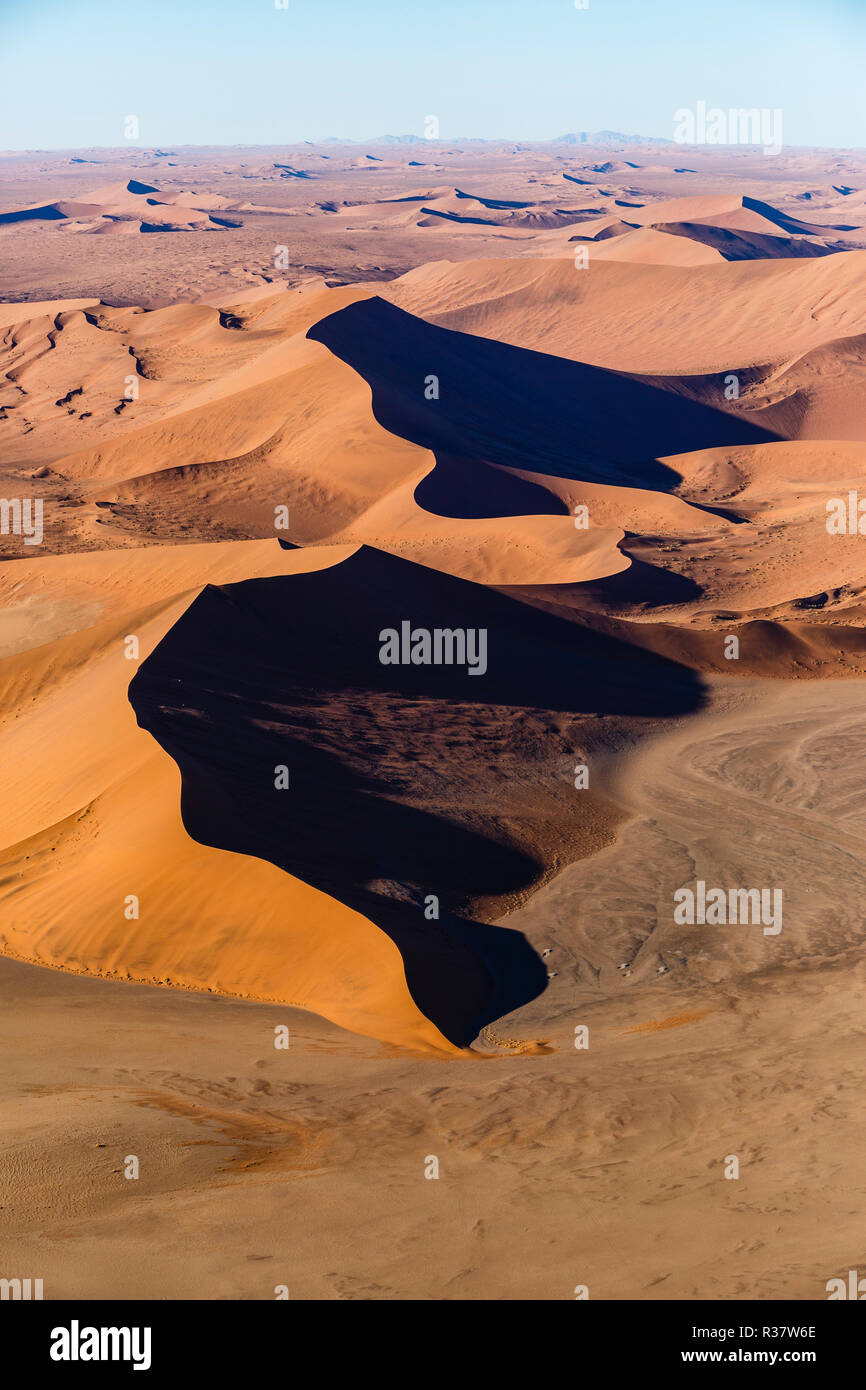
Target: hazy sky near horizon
214 72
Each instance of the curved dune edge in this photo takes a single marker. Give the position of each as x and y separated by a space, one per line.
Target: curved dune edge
647 246
210 920
492 550
91 814
287 424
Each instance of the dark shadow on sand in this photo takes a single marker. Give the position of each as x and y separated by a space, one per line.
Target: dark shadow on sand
400 777
519 409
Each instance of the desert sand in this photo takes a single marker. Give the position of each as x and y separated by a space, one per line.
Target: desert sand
590 402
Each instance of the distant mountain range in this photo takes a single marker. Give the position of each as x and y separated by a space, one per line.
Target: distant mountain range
581 137
608 137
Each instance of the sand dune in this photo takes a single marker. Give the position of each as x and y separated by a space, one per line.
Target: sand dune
250 424
772 310
137 207
744 245
735 228
648 246
742 214
373 762
201 913
437 414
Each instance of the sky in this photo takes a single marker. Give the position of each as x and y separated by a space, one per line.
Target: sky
226 72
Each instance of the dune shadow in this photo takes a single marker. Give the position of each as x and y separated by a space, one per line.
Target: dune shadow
474 401
468 491
43 214
457 217
407 784
642 585
746 246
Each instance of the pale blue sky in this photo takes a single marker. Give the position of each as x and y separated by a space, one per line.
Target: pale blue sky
245 72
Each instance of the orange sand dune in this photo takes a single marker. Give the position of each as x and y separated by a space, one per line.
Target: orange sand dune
717 317
251 391
813 395
79 774
742 214
136 366
744 245
398 764
215 920
713 227
646 246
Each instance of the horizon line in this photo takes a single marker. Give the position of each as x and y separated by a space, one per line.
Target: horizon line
569 138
